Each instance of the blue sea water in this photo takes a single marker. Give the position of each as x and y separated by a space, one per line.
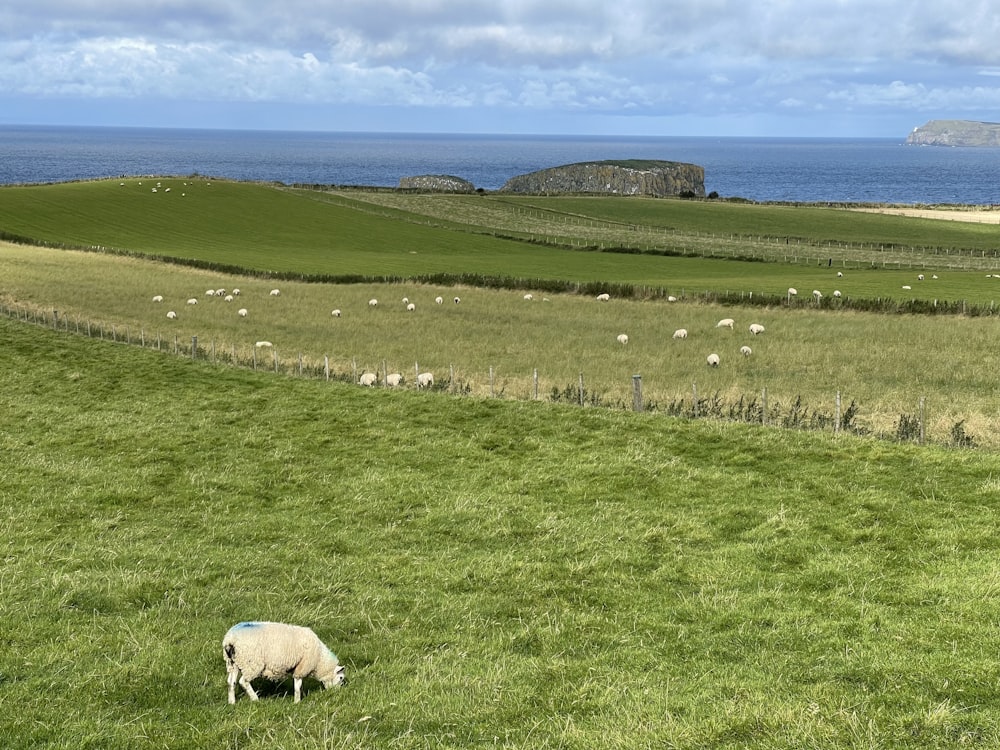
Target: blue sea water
763 169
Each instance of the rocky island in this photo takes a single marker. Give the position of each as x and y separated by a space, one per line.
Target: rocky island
614 177
956 133
437 182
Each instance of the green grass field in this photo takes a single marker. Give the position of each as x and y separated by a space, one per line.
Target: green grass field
492 573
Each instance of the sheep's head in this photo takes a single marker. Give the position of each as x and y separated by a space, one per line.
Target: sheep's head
336 679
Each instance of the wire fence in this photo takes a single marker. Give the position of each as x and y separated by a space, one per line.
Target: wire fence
758 408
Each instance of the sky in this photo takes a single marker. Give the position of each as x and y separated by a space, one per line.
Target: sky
789 68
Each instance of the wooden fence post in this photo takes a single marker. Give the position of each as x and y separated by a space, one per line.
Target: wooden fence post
922 423
694 396
836 421
535 378
581 389
763 405
326 367
637 404
194 346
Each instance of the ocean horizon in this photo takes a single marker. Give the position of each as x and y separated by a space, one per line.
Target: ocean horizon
808 170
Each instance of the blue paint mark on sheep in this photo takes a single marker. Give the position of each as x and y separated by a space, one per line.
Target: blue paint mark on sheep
242 625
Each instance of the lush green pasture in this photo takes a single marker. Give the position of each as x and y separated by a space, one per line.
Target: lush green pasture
885 363
491 573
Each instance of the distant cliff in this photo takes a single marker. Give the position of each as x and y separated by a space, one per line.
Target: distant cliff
438 182
618 177
956 133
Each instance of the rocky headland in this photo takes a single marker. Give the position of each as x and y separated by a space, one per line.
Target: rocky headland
444 183
614 177
956 133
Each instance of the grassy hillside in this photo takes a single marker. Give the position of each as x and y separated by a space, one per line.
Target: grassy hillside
491 573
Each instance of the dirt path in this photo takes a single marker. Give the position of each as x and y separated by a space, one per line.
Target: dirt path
978 216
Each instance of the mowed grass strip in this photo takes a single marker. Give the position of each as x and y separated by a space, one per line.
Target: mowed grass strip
885 363
491 573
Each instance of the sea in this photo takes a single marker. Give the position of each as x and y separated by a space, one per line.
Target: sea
851 170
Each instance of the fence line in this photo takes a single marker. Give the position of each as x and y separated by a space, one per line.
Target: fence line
910 428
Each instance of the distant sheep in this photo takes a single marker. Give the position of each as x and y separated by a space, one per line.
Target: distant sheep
209 292
603 297
274 650
671 298
368 378
411 307
236 292
681 333
713 360
275 292
622 338
439 300
373 302
529 297
836 293
920 277
817 294
229 298
242 312
158 298
335 313
172 315
907 287
425 380
746 351
220 292
792 291
457 300
263 343
756 329
406 300
726 323
840 274
193 301
393 379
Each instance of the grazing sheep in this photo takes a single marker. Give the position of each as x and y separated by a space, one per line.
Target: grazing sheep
274 650
920 277
792 291
457 300
681 333
756 329
393 379
406 300
236 292
263 343
622 338
158 298
671 298
411 307
368 378
242 312
529 297
373 302
172 315
934 276
907 287
817 294
746 351
439 300
713 360
425 380
220 292
726 323
193 301
603 297
209 292
335 313
275 292
840 274
229 298
836 293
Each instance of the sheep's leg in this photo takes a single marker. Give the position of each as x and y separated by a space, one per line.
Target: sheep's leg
248 687
298 688
231 676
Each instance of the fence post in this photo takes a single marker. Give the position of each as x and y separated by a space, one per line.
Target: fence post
254 350
275 361
763 405
300 364
175 343
55 318
694 395
921 420
637 393
326 366
536 383
492 394
451 378
194 346
836 421
581 389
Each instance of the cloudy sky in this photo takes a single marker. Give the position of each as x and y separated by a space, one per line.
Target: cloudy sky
635 67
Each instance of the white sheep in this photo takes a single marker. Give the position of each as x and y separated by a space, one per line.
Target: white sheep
193 301
373 302
920 277
529 297
274 650
411 307
425 380
713 360
220 292
671 298
439 300
172 315
158 298
840 274
603 297
209 292
275 292
681 333
756 329
393 379
746 351
229 298
263 343
406 300
236 292
335 313
907 287
817 294
726 323
368 379
792 291
457 300
242 312
622 338
836 293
